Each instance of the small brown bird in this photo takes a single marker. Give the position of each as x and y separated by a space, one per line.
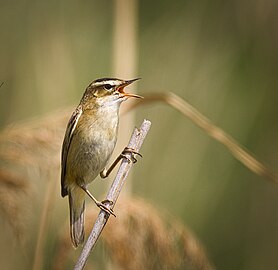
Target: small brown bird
88 144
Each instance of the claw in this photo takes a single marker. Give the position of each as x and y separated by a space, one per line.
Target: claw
103 207
132 152
108 201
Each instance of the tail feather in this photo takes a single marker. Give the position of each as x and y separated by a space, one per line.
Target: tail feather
77 208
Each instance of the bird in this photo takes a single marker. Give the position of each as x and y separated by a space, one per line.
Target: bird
89 141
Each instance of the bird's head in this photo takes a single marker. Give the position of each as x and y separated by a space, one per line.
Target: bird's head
108 91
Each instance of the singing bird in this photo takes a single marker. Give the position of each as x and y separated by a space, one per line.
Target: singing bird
88 144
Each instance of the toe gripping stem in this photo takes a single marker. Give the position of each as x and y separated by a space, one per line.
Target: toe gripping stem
131 151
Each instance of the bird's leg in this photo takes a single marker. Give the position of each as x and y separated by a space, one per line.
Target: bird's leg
104 173
101 205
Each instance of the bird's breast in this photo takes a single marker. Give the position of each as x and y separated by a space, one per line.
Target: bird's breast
92 145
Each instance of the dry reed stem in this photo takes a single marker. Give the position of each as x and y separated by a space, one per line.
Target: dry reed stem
237 150
141 239
44 222
125 62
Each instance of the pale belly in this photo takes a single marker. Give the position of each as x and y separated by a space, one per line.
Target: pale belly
87 159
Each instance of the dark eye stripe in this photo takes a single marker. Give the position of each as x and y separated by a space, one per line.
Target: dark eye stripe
108 86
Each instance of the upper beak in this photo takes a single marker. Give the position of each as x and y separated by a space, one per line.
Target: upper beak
126 83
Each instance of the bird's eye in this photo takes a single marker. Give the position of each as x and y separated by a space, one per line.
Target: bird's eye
108 86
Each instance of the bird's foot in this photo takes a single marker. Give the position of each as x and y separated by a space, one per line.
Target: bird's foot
131 157
104 207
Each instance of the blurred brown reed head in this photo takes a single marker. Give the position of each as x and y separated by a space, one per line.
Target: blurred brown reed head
28 152
139 238
13 193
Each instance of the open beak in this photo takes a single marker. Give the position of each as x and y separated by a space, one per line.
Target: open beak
126 83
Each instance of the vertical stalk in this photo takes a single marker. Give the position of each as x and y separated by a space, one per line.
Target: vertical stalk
125 60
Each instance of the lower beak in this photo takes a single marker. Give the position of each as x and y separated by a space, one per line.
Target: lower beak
122 86
131 95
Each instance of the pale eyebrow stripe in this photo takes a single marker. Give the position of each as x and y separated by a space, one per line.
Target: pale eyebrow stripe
105 82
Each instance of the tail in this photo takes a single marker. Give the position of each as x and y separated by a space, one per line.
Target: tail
77 207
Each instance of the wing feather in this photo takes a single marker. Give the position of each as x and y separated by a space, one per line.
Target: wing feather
66 145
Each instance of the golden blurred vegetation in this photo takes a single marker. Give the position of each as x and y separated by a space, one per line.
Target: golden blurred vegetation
221 56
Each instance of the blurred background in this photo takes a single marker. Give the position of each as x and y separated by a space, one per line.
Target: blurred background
221 56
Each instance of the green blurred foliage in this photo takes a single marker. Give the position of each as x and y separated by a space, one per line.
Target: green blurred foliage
221 56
